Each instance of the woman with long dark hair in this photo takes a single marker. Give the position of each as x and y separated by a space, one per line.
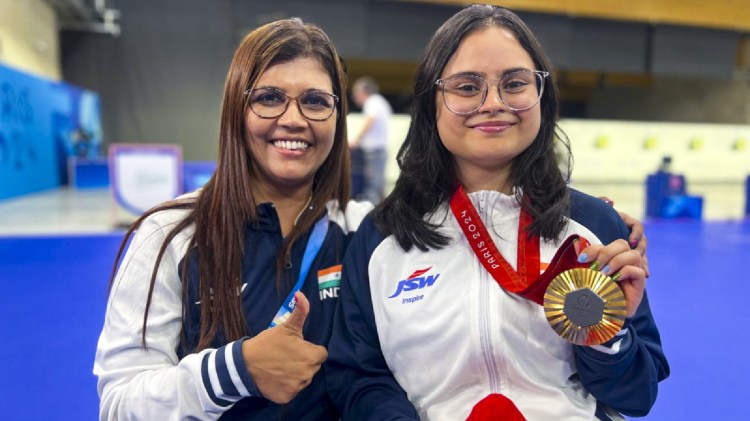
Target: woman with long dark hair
439 317
223 304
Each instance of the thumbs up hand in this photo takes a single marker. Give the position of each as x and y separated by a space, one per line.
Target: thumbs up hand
279 359
296 320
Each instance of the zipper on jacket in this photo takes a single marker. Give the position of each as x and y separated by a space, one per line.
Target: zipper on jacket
485 331
287 273
485 318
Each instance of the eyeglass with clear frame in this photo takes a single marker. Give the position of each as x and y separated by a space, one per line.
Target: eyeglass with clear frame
273 102
519 90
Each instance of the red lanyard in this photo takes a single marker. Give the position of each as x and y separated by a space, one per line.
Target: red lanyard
527 263
526 281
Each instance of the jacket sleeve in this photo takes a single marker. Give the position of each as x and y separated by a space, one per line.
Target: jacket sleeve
626 380
152 382
358 378
623 374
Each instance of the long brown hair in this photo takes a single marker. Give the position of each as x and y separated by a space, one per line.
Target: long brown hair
226 204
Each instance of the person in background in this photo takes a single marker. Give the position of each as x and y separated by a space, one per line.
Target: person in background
372 139
427 326
223 303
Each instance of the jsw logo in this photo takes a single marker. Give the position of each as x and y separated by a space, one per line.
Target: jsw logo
415 281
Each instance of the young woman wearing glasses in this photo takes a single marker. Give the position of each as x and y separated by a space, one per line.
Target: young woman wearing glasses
223 303
429 324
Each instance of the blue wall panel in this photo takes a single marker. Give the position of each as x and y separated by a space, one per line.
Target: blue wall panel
41 123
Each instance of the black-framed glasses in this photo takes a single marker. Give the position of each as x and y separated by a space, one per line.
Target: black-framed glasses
519 90
273 102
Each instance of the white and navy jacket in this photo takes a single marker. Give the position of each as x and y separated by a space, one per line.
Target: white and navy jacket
168 380
431 351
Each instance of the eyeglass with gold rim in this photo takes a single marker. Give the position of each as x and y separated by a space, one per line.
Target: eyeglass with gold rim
273 102
519 90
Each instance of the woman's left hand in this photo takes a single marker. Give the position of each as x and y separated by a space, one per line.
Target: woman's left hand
623 264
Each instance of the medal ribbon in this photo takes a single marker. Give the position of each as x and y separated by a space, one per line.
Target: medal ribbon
526 280
488 254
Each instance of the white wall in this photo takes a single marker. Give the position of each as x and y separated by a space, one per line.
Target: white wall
29 38
613 158
621 151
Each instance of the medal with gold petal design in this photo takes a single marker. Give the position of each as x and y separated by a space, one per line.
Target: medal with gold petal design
584 306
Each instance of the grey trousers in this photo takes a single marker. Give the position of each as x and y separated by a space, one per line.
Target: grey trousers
374 175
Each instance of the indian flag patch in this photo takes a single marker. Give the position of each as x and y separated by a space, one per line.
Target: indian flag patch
329 280
330 277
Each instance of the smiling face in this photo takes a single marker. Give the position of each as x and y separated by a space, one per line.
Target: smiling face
289 149
484 143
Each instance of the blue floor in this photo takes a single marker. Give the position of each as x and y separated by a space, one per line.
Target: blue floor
700 299
53 293
53 297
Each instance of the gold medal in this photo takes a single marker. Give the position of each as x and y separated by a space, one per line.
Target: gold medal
584 306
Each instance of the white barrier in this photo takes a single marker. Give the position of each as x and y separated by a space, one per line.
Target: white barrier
141 176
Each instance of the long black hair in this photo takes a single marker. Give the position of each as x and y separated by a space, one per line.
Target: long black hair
428 176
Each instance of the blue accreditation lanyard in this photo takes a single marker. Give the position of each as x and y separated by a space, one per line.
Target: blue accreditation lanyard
311 251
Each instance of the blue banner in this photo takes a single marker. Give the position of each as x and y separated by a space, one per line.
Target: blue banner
42 123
